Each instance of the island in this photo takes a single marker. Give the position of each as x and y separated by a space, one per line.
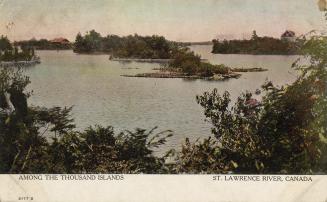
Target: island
186 64
45 44
288 44
16 56
126 47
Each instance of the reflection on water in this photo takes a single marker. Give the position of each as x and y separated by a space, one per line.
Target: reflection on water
93 85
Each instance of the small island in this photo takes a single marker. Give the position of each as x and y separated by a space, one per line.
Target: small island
186 64
16 56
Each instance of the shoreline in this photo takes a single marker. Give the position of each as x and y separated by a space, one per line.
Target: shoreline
174 75
140 60
254 69
168 73
286 55
145 60
19 63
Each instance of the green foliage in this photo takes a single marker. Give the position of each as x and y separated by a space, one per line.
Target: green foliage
257 46
201 157
100 150
189 63
42 44
132 46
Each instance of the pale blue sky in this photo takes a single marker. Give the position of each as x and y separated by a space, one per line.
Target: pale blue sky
182 20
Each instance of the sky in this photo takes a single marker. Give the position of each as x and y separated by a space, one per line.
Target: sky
179 20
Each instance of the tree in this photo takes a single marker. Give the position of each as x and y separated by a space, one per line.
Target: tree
254 35
5 44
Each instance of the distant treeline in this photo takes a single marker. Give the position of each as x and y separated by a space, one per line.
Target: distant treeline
43 44
257 46
196 43
132 46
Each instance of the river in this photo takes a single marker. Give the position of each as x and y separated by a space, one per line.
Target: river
93 85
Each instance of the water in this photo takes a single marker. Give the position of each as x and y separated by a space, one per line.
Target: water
93 85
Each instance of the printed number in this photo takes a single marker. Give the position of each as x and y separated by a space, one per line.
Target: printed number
25 198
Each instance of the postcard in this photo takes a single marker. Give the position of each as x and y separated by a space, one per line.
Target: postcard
162 100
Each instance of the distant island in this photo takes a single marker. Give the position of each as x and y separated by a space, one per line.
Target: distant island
286 45
131 46
45 44
201 43
13 55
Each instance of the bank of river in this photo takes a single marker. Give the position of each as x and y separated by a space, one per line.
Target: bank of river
179 75
20 63
93 85
173 74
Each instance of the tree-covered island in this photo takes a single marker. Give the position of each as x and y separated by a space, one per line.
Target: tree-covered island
131 46
286 45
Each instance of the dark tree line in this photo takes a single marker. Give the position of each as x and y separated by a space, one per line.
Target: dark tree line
257 46
43 44
132 46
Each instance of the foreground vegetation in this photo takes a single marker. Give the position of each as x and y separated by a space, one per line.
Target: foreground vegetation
11 53
257 46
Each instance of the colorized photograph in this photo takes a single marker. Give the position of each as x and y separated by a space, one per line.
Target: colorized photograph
163 87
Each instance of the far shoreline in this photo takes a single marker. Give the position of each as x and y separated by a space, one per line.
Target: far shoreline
121 59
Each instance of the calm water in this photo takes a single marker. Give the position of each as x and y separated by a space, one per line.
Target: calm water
93 85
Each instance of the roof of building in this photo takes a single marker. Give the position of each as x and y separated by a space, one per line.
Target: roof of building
60 40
